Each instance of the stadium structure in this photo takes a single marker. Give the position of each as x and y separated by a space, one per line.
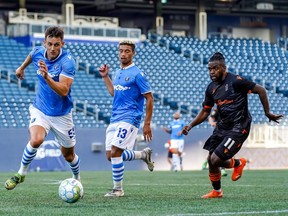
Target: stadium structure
175 39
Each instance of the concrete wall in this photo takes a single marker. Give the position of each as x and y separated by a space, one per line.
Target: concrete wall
13 142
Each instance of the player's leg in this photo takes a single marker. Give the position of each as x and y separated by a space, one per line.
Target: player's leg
175 155
214 176
169 159
230 147
117 172
64 131
129 154
221 157
180 153
145 155
214 169
114 154
72 160
38 128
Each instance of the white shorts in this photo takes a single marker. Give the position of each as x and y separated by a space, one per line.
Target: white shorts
177 144
122 135
62 126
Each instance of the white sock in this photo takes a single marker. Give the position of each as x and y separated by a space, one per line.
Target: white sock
176 161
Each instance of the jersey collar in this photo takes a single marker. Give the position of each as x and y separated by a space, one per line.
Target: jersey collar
131 65
45 54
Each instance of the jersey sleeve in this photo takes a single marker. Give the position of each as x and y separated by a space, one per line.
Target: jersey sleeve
34 51
142 83
243 85
68 67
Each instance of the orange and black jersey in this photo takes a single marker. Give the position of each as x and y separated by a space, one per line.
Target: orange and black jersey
231 99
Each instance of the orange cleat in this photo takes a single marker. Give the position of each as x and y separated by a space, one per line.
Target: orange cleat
213 194
237 173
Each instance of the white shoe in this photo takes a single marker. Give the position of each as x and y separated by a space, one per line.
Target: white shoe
115 193
147 159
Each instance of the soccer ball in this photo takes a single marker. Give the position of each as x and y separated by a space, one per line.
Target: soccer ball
70 190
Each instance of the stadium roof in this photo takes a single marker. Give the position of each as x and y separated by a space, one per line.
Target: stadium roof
114 7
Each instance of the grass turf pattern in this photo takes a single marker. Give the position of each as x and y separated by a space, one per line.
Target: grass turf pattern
258 192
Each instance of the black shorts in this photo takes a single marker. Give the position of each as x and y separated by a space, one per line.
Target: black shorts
226 143
169 154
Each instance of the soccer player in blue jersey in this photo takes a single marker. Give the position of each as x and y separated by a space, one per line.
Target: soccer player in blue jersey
177 140
52 107
229 92
129 88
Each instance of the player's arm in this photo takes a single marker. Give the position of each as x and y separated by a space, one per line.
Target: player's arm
62 87
104 70
168 130
20 70
202 116
147 132
261 91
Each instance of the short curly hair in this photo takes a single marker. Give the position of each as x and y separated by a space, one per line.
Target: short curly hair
217 56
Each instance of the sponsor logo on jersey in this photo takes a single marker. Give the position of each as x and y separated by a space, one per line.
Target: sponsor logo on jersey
49 74
121 88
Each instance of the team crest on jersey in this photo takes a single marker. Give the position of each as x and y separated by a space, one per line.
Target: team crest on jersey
127 79
33 120
56 66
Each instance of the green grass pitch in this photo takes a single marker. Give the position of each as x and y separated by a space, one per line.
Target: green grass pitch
258 192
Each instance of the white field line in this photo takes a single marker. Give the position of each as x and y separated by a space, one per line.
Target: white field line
235 213
164 185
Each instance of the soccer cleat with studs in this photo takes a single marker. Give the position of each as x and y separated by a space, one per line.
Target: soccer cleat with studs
115 193
213 194
147 159
237 172
11 183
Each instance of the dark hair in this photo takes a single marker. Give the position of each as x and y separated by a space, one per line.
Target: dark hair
217 56
54 31
128 43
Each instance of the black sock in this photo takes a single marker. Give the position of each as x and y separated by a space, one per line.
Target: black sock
236 162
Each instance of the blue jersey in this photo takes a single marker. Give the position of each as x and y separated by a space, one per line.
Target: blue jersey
176 126
129 86
46 100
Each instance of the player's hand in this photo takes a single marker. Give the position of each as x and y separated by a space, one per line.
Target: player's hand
147 133
43 69
19 73
103 70
186 129
273 117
